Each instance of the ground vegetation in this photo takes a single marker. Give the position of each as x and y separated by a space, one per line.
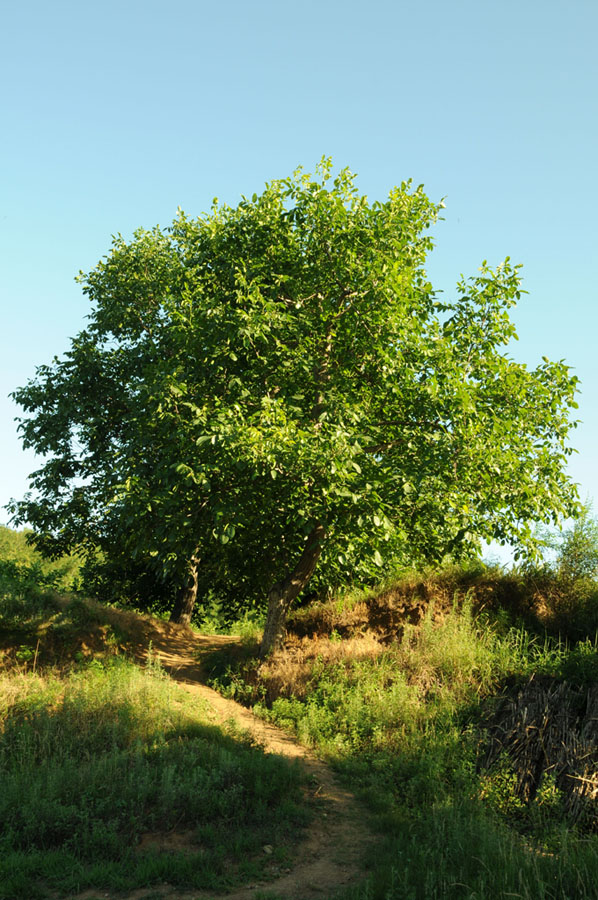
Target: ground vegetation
454 702
460 709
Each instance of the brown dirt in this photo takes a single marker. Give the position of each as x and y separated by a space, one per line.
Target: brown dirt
331 853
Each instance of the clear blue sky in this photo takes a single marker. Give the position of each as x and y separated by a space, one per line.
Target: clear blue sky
114 114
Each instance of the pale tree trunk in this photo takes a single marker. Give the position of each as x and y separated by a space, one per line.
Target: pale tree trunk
185 601
286 591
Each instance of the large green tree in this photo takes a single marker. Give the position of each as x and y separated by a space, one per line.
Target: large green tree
276 390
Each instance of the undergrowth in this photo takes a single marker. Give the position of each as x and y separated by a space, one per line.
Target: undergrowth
99 767
396 688
112 778
405 723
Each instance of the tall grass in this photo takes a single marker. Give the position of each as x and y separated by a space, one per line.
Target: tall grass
98 767
457 850
404 721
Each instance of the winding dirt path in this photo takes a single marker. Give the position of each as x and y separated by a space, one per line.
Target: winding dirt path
331 854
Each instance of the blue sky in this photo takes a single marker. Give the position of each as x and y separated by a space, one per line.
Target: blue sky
115 113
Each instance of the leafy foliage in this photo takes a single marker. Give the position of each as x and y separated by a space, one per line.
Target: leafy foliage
285 369
577 556
21 563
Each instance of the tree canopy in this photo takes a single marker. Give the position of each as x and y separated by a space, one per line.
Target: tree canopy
275 393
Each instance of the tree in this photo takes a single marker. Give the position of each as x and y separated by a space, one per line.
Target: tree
577 551
274 393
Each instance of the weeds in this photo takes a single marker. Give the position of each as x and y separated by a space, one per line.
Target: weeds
401 712
97 767
396 688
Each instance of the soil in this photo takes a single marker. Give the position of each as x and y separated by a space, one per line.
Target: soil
331 854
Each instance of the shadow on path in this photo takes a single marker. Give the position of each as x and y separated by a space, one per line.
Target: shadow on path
330 856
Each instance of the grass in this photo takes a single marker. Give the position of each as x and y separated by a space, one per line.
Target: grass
404 721
457 850
101 767
113 779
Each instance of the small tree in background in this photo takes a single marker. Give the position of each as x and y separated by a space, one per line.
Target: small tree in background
577 551
275 393
566 583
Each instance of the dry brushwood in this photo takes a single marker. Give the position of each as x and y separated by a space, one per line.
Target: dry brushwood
551 727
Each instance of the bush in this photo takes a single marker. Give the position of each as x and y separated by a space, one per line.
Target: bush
577 556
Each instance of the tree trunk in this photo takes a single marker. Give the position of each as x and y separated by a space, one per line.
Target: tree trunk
286 591
185 601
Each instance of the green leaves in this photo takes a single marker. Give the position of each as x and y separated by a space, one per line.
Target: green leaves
257 370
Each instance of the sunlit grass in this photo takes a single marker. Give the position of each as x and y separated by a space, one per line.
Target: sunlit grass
96 765
404 722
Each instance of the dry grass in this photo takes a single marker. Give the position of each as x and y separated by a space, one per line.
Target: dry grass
81 630
539 599
287 672
550 728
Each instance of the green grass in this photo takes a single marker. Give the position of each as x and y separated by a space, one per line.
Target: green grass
405 728
91 763
94 762
455 849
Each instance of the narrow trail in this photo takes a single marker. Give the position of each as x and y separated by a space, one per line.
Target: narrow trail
331 853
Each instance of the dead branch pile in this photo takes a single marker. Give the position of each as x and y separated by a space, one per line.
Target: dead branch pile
550 726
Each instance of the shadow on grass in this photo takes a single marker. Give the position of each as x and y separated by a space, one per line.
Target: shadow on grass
111 780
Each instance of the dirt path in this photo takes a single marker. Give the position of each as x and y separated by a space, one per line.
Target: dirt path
332 851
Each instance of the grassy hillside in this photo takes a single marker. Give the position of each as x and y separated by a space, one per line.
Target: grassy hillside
112 778
460 704
453 706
